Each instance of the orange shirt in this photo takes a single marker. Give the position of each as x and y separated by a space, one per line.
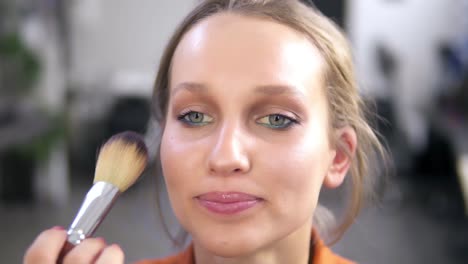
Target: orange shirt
321 255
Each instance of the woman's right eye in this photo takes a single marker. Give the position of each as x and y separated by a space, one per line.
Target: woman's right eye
194 118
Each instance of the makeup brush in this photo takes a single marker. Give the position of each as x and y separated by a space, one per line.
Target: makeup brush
121 161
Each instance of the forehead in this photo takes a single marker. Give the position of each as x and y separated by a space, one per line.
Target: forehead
238 48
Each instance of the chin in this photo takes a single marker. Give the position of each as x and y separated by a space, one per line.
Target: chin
230 244
230 249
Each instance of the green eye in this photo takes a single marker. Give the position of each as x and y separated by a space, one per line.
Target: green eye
195 118
276 121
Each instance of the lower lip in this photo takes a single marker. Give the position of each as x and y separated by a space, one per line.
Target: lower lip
228 208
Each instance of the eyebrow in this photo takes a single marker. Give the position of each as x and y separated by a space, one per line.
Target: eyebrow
275 90
270 89
188 86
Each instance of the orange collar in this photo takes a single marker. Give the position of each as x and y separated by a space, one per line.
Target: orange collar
323 254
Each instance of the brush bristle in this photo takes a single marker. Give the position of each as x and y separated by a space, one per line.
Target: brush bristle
121 160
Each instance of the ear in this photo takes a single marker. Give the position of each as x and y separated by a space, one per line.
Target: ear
344 151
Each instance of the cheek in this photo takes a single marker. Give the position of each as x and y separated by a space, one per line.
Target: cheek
176 162
297 179
170 153
177 155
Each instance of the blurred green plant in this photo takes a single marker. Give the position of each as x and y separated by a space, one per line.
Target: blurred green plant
19 71
40 146
19 66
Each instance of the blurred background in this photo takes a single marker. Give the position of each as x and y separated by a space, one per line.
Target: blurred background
73 73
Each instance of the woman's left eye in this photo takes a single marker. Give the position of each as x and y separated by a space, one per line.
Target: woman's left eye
276 121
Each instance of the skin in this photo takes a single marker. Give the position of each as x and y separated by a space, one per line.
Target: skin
255 89
47 246
230 75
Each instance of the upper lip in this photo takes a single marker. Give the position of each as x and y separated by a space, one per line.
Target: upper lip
227 197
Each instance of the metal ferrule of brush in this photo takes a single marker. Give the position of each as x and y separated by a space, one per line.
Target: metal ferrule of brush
94 208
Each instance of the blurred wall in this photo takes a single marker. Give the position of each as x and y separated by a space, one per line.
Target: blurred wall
412 31
112 37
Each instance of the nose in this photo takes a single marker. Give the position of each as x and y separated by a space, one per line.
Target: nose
229 154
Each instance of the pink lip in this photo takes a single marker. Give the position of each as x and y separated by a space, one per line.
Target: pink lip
228 203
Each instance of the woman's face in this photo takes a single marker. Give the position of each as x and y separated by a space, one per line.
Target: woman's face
245 147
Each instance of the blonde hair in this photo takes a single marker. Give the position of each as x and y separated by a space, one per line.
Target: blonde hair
346 107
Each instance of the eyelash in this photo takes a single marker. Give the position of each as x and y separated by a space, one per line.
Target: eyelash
183 118
289 120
